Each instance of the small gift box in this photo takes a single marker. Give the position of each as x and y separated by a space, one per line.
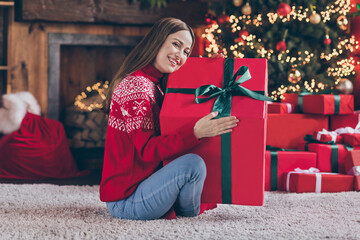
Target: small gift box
280 161
281 107
342 121
287 130
351 136
352 166
301 181
229 86
327 136
327 104
330 157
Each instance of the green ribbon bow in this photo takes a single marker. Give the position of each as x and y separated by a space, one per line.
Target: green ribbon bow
222 105
334 151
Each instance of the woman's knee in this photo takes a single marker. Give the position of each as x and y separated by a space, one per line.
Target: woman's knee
195 164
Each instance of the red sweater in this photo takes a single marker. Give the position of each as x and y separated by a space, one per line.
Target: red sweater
134 147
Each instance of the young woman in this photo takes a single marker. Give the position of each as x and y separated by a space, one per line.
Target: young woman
134 185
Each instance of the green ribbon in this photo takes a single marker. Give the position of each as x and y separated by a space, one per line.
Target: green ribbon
337 104
274 164
231 87
334 151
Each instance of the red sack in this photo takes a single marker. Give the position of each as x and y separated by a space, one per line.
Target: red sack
38 150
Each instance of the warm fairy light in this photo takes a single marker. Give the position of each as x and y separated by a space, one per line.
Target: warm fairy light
93 106
348 44
346 68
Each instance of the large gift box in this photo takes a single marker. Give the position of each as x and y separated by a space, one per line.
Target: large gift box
287 130
352 166
278 163
330 157
328 104
301 182
281 107
234 161
342 121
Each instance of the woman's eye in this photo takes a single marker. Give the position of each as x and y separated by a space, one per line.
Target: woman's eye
186 53
176 44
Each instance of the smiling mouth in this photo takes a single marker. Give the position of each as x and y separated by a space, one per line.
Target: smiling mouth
173 61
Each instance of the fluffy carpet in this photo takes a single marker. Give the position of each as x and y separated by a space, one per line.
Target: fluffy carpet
45 211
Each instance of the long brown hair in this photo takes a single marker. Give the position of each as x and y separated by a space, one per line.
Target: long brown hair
146 51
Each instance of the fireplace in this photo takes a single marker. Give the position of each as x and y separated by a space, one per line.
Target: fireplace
71 56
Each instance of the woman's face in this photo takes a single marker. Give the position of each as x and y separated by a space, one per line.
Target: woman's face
174 52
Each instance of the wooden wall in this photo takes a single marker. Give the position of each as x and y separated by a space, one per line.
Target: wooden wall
28 49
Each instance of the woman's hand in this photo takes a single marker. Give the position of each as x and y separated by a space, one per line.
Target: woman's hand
209 127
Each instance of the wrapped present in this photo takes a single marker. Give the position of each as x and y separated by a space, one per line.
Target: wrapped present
342 121
327 104
352 139
327 136
352 167
233 159
330 156
287 130
280 161
294 98
312 180
281 107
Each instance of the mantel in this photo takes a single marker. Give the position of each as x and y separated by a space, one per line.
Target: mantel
108 11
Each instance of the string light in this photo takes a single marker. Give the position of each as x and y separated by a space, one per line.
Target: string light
84 95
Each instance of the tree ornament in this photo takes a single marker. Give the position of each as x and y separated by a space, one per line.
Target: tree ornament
237 3
327 40
222 19
281 46
342 22
283 9
209 19
294 75
246 9
345 86
315 18
243 32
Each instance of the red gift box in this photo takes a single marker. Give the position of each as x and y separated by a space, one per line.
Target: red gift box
281 108
325 136
290 98
287 130
328 104
352 166
342 121
318 182
330 157
352 139
247 138
278 163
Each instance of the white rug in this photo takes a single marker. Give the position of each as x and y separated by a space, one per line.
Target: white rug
44 211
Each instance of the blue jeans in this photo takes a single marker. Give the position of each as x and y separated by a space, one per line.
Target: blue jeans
177 184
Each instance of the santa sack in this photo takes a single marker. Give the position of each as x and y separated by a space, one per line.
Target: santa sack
38 150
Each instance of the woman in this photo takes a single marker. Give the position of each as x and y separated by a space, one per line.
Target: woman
134 185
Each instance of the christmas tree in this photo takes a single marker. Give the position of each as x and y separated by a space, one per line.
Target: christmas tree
307 42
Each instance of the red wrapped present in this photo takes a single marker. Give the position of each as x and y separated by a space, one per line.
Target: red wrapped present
232 160
352 166
314 181
327 104
290 98
330 157
327 136
277 163
281 108
287 130
352 139
342 121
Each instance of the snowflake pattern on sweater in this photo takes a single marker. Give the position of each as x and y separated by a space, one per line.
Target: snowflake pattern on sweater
133 105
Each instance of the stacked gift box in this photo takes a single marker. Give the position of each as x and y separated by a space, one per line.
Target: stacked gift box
323 124
287 146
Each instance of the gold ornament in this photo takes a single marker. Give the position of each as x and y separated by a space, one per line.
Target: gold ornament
294 75
342 22
237 3
315 18
246 9
345 86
